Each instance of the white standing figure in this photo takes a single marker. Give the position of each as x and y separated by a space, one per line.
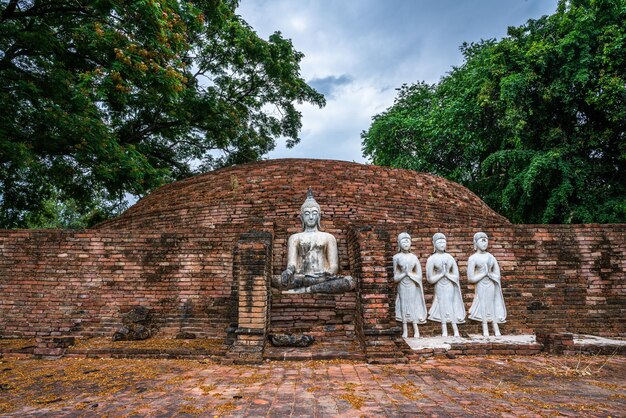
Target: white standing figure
443 272
407 275
484 271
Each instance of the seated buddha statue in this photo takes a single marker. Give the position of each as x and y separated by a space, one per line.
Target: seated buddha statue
312 258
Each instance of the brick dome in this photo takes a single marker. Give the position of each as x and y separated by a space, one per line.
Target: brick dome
273 190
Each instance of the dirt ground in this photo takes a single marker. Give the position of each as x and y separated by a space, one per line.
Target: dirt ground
491 386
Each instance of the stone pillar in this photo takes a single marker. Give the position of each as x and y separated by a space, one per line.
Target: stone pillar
252 271
370 261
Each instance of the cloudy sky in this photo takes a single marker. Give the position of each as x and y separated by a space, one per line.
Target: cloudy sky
357 52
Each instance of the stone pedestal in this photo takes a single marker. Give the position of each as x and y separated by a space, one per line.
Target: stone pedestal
252 272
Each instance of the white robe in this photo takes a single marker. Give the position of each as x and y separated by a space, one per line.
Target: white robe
410 303
448 303
488 304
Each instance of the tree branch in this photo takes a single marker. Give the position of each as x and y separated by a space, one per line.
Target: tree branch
8 12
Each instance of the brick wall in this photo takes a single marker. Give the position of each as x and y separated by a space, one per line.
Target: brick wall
554 277
275 189
376 326
252 268
558 278
54 282
326 317
173 252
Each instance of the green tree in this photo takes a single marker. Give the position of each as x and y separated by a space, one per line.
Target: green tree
535 123
106 98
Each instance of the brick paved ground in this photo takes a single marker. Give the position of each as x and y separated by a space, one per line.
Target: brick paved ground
494 386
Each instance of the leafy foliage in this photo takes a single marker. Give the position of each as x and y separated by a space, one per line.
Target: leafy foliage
107 97
534 123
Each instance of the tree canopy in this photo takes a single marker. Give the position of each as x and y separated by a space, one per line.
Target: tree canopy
533 123
106 98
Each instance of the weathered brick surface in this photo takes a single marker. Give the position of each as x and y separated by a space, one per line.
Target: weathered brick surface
275 189
555 343
495 386
253 268
376 326
476 349
555 278
326 317
174 252
80 283
348 193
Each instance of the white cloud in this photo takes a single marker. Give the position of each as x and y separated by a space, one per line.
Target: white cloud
378 46
299 24
333 132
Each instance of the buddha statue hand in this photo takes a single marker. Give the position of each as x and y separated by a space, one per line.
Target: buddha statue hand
310 279
286 277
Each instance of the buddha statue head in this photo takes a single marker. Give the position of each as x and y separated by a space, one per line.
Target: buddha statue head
439 242
404 242
310 212
480 241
